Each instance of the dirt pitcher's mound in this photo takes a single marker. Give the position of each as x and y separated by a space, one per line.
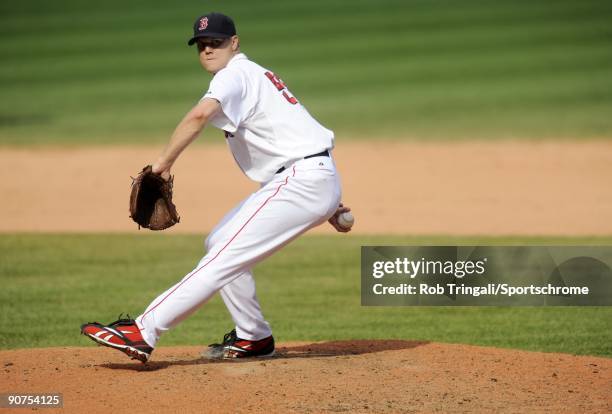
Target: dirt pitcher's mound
344 376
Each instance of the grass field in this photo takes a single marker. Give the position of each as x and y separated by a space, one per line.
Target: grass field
120 72
309 291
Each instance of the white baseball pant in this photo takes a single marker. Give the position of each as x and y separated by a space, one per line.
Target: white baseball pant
303 196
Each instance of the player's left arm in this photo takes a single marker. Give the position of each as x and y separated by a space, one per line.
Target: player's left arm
185 133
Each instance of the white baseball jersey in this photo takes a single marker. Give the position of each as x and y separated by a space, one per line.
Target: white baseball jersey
265 126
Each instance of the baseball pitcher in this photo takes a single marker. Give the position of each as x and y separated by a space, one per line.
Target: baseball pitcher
275 142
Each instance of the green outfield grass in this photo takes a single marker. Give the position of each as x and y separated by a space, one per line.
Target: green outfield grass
309 291
78 72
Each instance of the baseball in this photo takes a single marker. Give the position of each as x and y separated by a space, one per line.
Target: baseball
346 220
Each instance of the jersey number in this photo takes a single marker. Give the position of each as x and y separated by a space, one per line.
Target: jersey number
281 87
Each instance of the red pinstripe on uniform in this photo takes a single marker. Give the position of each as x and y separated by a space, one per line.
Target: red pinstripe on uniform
224 247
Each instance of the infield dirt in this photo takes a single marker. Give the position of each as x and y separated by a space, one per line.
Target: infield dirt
445 188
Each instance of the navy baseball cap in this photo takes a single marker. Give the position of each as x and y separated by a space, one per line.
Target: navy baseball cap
212 25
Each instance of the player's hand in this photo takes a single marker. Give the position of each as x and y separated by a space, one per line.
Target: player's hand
161 169
333 220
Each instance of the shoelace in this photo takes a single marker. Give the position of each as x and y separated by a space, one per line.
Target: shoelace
228 339
120 320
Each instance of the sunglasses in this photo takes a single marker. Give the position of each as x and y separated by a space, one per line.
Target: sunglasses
212 43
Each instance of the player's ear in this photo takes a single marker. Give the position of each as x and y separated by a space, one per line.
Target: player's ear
235 43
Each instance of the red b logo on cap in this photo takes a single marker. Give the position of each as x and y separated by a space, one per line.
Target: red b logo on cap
203 23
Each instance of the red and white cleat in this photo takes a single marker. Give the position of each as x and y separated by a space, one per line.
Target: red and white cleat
123 335
234 347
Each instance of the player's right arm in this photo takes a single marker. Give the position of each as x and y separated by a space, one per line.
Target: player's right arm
333 220
185 133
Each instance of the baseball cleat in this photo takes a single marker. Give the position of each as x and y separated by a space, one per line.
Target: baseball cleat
234 347
123 335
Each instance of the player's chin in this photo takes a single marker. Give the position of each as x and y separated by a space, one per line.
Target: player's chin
209 66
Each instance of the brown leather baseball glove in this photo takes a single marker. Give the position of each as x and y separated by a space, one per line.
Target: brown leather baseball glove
151 201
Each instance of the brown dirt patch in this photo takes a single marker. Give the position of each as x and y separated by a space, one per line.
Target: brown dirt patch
450 188
359 376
